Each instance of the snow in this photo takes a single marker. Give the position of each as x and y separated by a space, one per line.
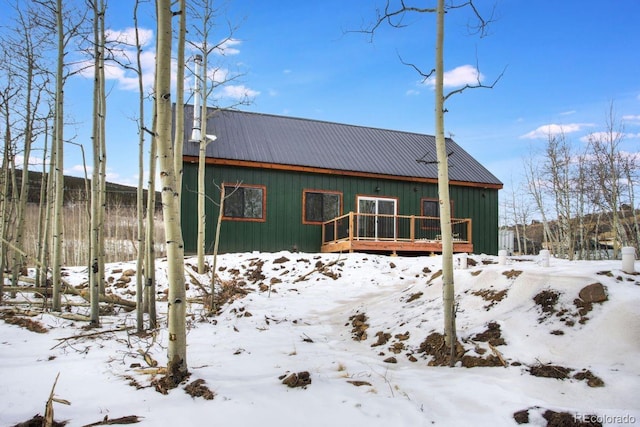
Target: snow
305 325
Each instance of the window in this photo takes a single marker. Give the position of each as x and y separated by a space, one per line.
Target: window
244 202
431 207
320 206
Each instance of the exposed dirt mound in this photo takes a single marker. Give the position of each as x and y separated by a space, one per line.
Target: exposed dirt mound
590 378
491 295
414 297
558 419
360 326
198 388
171 380
550 371
11 318
492 335
300 379
547 301
38 421
435 346
565 419
383 338
512 274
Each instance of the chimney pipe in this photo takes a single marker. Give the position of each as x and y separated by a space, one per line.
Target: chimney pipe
197 100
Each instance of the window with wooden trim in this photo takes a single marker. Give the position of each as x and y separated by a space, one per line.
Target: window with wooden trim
431 207
244 202
319 206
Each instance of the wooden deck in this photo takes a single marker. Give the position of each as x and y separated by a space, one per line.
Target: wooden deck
357 232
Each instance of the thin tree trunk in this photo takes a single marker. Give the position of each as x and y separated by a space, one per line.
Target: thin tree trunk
150 263
448 292
212 305
59 172
139 192
42 209
102 119
4 202
18 258
177 346
94 272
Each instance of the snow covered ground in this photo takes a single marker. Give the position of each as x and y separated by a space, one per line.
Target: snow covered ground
358 324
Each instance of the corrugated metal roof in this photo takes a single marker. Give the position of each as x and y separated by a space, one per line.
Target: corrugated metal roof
302 142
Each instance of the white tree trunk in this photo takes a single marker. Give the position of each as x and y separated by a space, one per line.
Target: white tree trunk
59 162
448 293
139 192
177 347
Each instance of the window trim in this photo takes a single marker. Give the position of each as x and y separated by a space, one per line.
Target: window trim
304 204
264 203
433 199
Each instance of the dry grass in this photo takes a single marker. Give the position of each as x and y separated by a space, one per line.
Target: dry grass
121 241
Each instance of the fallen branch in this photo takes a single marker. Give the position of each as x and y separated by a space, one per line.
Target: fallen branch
129 419
498 355
90 334
110 299
317 269
48 412
197 282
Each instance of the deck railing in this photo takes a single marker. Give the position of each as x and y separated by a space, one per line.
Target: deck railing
399 228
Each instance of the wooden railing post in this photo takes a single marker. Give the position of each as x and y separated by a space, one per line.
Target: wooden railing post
412 228
350 227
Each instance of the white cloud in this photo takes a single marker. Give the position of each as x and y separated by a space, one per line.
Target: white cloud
609 136
128 36
631 118
125 53
459 76
238 92
228 47
601 136
412 92
545 131
568 113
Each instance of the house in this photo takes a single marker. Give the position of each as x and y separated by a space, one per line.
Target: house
309 185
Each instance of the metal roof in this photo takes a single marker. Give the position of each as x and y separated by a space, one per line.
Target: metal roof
265 138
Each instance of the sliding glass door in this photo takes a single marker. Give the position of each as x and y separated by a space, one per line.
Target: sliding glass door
374 222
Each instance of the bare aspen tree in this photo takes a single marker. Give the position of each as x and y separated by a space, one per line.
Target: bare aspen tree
139 191
178 138
41 269
66 24
607 170
102 165
59 161
6 96
557 167
394 17
534 187
96 272
150 253
177 347
208 79
630 174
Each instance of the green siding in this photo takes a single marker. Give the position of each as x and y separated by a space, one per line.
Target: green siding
283 228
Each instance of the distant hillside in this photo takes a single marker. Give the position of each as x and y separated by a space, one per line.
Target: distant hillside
75 190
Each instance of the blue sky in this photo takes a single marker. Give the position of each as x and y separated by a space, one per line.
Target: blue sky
565 62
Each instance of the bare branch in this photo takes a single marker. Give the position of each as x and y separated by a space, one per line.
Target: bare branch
476 86
425 77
